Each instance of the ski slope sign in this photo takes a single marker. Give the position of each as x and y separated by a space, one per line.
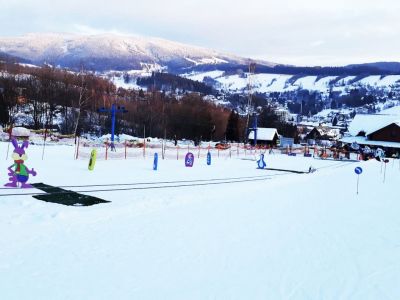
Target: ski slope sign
358 171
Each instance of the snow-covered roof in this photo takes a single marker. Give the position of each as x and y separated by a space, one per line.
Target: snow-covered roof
394 111
330 132
264 134
364 141
309 124
371 123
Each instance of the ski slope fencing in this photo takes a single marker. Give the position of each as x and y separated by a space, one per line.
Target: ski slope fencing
126 151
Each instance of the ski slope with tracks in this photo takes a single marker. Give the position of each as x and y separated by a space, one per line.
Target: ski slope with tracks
225 231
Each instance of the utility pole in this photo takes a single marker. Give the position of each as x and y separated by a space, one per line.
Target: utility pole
114 109
252 68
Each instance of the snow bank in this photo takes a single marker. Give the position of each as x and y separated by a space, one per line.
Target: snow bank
20 131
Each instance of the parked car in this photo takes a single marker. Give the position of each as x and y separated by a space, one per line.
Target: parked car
223 145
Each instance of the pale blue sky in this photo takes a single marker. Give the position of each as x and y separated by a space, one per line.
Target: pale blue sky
301 32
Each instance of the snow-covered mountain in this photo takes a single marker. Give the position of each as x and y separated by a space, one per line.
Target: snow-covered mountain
113 52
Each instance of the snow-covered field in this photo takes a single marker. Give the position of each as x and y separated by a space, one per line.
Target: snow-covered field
287 236
265 83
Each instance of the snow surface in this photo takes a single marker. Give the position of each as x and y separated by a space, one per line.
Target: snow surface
370 80
389 80
20 131
266 83
326 112
200 76
395 111
288 237
119 82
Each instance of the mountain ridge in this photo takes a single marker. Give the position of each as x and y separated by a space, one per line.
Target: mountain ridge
110 51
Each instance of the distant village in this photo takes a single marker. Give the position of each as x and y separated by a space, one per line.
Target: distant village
340 127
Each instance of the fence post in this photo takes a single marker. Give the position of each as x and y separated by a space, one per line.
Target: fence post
77 148
144 148
125 149
106 151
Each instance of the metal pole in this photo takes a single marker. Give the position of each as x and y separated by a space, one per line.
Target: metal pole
358 180
112 126
384 174
144 141
255 130
8 148
44 142
77 148
9 141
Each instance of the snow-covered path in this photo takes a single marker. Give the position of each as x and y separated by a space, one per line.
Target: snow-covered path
288 237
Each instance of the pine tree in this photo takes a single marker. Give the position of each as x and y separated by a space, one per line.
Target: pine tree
232 127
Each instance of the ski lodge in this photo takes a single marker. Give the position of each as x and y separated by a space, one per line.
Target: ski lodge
375 131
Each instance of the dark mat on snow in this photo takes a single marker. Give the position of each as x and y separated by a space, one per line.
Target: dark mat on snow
65 197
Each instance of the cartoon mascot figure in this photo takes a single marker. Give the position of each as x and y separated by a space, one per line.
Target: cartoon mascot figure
19 172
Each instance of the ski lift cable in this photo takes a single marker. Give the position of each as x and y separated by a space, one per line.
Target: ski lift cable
140 188
155 182
337 165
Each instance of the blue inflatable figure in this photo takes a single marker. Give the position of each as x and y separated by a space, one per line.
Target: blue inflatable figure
155 162
261 163
208 158
189 160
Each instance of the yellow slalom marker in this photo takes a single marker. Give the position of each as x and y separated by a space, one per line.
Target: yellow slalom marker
92 161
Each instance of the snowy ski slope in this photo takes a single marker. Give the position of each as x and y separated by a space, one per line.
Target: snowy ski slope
287 236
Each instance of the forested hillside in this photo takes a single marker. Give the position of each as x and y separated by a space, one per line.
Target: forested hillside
47 97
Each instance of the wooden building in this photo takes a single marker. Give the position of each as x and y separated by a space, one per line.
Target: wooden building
265 136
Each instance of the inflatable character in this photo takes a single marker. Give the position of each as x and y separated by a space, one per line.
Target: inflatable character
261 163
18 171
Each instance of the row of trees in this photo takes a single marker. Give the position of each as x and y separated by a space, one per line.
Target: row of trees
41 97
47 97
170 82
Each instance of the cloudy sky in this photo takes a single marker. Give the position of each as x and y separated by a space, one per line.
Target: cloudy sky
300 32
